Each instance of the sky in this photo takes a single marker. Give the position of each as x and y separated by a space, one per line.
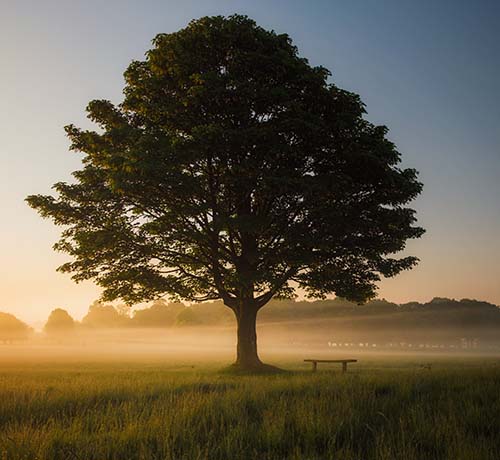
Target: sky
429 70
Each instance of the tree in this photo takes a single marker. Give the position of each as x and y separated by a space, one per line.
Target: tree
105 316
233 170
159 314
59 323
188 317
12 329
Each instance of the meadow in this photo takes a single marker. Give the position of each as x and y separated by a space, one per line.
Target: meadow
153 408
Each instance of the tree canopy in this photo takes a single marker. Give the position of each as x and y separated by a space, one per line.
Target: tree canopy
59 322
100 315
12 328
233 170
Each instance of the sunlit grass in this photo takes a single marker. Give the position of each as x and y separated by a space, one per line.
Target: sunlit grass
137 411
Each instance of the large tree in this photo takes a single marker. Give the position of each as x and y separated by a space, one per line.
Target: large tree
233 170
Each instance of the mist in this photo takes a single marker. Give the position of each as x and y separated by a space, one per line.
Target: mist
186 336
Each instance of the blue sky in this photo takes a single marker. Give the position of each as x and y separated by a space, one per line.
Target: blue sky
429 70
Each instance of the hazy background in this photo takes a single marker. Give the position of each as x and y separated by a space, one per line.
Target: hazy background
174 330
429 70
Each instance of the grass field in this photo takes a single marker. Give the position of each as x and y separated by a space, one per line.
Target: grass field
380 409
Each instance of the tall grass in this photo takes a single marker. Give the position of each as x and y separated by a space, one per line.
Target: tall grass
151 412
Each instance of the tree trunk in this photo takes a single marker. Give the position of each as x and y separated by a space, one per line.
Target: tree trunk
247 357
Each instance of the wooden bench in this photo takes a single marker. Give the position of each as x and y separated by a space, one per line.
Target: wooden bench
343 361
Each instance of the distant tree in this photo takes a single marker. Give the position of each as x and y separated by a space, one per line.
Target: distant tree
122 310
159 314
212 313
233 170
441 301
105 316
188 317
13 329
59 323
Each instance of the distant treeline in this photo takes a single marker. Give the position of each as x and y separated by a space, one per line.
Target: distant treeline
12 329
376 320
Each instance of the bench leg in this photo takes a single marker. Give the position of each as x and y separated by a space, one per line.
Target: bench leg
344 368
315 366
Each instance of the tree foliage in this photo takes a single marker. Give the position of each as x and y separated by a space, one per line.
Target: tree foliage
12 328
104 316
159 314
233 170
59 322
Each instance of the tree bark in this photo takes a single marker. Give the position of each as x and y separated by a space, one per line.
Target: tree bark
246 355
